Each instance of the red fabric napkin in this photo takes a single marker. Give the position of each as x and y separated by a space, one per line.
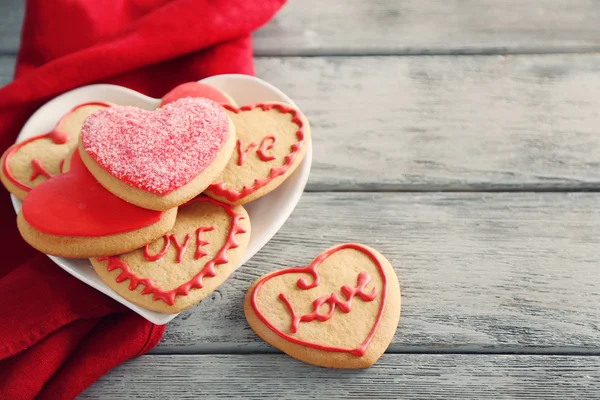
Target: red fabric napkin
58 335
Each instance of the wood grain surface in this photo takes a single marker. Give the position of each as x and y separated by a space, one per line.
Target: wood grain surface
448 123
493 272
305 27
405 376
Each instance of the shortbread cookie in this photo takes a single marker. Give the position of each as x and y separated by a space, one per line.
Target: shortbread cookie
197 89
32 161
72 215
177 271
158 159
341 311
271 142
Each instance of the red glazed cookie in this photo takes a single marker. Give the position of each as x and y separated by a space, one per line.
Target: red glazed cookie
177 271
72 215
32 161
271 142
197 89
158 159
341 311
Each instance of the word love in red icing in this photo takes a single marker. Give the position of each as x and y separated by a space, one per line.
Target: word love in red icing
261 152
232 194
334 302
181 248
209 269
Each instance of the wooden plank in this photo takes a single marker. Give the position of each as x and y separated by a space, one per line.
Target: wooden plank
11 20
7 67
406 376
395 27
495 272
445 123
304 27
448 123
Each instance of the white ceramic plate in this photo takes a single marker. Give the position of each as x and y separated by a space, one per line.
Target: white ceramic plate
267 214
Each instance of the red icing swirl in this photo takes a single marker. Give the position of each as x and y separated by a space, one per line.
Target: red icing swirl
264 147
230 194
333 300
169 296
161 253
242 154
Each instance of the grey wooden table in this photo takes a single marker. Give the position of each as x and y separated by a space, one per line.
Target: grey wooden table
462 139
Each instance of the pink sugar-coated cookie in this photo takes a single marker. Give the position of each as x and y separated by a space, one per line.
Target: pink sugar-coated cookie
197 89
158 159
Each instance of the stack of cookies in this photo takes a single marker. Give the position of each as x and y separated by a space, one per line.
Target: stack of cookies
154 198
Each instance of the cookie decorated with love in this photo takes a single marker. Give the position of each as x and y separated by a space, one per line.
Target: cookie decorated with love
26 164
158 159
178 270
272 139
72 215
197 89
341 311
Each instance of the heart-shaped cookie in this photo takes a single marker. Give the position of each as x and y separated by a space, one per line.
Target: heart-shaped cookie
32 161
271 143
186 265
72 215
197 89
341 311
158 159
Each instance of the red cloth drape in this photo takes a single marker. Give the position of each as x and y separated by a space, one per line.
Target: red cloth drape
58 335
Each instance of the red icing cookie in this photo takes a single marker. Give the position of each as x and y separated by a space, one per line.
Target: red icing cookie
72 215
341 311
32 161
197 89
187 264
158 159
271 142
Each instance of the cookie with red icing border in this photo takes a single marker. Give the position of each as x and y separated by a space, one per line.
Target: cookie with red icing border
26 164
187 264
272 139
72 215
158 159
341 311
197 89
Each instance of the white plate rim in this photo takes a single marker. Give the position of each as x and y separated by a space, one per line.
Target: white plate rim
300 176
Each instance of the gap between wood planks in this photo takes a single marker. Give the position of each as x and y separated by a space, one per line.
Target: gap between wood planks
585 188
492 51
393 349
418 376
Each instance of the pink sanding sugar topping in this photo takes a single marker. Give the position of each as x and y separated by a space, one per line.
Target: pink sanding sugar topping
157 151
